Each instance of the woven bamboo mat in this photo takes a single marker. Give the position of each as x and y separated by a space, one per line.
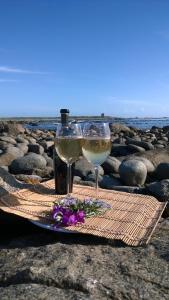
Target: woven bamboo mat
132 217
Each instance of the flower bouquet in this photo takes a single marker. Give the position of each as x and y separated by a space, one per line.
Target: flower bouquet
69 210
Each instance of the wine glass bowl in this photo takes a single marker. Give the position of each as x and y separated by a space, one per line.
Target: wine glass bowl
96 145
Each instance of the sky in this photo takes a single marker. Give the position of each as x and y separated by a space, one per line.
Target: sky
91 56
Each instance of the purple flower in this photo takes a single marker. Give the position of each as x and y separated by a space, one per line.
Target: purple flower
80 216
72 220
88 201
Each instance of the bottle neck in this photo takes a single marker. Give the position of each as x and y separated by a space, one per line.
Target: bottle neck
64 119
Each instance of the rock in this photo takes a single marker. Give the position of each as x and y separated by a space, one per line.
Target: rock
49 160
133 172
23 147
129 189
117 128
8 139
121 150
27 164
159 146
92 177
160 189
44 173
111 165
46 144
87 183
32 179
145 145
12 128
76 179
83 168
21 139
136 148
156 156
162 171
37 266
108 182
150 167
11 154
35 148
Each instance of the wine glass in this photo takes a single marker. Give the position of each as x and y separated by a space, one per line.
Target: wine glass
68 146
96 144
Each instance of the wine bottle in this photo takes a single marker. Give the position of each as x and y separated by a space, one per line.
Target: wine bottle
60 167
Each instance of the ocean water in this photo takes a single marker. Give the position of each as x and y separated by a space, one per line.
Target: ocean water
139 123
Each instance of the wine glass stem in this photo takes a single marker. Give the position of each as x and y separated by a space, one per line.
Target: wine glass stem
69 177
96 174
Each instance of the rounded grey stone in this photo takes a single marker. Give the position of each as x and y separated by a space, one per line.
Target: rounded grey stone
111 165
27 164
150 167
133 172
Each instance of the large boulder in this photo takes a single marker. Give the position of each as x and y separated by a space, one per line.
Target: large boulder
133 172
10 154
159 189
150 167
145 145
156 156
111 165
83 168
27 164
162 171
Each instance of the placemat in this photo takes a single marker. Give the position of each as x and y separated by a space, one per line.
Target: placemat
132 217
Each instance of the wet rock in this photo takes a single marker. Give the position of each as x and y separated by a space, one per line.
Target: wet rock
27 164
111 165
133 172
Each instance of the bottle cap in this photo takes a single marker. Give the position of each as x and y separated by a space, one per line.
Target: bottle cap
64 111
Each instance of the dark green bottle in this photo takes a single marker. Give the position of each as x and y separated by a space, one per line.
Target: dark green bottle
60 167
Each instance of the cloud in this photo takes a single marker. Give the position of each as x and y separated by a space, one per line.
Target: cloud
5 69
2 80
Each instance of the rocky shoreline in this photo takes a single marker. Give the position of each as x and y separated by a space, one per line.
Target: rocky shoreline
138 163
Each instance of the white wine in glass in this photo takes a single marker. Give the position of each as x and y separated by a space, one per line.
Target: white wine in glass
96 145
